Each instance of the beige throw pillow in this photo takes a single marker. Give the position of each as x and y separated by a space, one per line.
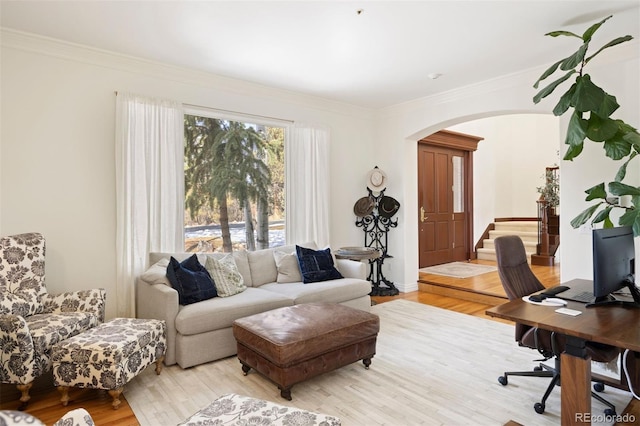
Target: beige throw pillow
226 276
288 268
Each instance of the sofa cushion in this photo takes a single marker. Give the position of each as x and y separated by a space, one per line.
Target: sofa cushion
225 275
191 280
157 273
316 265
287 266
48 329
333 291
240 256
220 312
263 267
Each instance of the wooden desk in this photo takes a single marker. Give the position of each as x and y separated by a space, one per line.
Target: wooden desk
612 325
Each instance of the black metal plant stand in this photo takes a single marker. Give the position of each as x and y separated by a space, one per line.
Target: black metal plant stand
376 229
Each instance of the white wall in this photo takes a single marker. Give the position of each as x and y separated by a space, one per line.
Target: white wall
510 163
621 80
58 129
57 148
402 125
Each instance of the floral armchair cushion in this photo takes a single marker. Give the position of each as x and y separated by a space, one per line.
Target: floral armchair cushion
22 274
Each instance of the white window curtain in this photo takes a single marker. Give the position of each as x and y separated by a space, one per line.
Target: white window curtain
149 187
307 182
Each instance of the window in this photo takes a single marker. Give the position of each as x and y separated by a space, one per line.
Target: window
234 185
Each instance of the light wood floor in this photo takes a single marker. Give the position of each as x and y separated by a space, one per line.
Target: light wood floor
45 402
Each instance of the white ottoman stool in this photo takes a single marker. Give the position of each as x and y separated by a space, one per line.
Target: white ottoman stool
239 410
108 356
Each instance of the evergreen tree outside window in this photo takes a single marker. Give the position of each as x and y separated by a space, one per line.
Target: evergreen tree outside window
234 185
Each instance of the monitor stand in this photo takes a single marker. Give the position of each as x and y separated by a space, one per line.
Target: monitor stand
609 300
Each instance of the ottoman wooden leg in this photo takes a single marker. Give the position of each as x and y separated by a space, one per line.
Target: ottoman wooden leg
64 390
286 393
159 365
115 394
245 369
367 363
25 397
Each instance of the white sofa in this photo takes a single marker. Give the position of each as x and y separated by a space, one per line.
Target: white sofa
201 332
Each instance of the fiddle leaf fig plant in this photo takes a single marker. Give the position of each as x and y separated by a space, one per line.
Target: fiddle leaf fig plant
591 110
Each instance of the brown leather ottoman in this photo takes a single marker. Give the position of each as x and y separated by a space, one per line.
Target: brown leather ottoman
295 343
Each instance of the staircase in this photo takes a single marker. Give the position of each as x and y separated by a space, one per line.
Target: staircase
526 230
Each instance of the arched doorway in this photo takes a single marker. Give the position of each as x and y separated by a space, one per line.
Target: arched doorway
445 197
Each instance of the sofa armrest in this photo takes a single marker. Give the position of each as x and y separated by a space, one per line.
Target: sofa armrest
159 301
352 268
76 301
18 353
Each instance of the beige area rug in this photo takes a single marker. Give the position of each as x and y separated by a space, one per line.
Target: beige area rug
459 269
432 367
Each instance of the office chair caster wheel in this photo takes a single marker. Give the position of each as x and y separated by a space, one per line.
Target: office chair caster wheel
609 412
539 408
503 380
598 387
538 368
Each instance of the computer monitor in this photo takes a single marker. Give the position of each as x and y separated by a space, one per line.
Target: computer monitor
613 265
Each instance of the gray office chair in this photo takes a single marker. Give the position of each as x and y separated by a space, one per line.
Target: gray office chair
518 280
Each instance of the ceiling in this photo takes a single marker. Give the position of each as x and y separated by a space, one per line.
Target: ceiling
367 53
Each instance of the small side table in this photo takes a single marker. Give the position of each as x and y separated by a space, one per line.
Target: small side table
373 256
357 253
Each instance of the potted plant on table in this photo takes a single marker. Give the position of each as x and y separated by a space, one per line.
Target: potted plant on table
591 110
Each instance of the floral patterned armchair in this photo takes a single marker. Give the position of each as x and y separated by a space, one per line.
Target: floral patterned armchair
32 320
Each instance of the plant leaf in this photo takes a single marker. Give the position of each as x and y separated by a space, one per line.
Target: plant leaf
622 171
619 188
562 33
565 101
587 96
551 87
547 73
631 135
631 218
577 130
596 192
600 129
608 106
602 215
576 59
573 151
608 223
586 37
617 147
583 217
612 43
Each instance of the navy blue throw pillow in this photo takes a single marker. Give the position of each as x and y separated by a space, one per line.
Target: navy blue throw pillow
191 280
316 265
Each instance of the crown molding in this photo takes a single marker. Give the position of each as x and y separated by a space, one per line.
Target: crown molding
41 45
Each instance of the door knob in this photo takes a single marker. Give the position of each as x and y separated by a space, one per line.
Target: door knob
422 215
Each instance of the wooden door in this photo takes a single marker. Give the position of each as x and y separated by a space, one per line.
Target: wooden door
445 198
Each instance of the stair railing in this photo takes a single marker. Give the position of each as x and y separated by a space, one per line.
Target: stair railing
543 228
